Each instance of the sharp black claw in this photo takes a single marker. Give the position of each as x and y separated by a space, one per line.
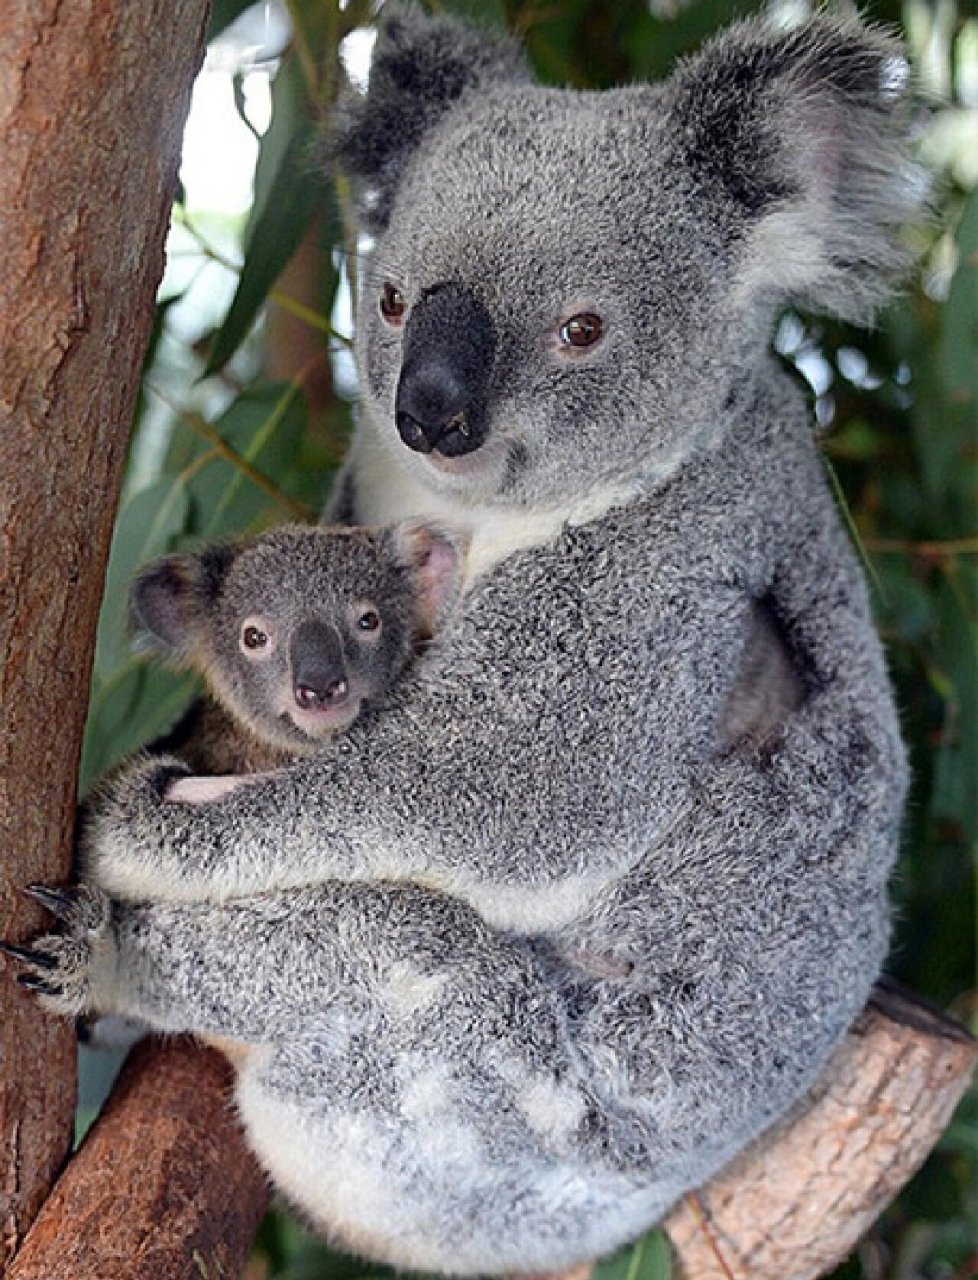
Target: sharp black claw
24 954
58 901
31 983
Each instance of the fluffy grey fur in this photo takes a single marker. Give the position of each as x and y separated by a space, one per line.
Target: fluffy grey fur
533 949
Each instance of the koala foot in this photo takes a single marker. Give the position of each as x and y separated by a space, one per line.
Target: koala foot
60 968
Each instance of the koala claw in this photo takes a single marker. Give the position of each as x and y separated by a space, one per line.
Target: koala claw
60 902
59 968
24 955
37 986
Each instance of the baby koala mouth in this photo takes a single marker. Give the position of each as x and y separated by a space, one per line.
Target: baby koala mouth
318 719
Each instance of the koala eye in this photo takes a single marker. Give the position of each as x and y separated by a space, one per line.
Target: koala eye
255 639
368 620
392 304
582 330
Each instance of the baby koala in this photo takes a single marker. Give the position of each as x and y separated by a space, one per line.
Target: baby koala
292 632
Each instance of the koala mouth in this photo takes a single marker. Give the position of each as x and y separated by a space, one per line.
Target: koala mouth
320 721
481 467
461 464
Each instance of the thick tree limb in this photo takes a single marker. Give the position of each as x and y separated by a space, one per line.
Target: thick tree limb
164 1179
794 1203
93 97
163 1187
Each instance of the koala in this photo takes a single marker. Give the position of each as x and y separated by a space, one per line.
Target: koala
292 632
563 348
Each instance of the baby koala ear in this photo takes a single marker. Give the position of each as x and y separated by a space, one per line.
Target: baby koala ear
169 598
422 66
436 557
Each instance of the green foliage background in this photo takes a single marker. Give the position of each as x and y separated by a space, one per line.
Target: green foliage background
219 448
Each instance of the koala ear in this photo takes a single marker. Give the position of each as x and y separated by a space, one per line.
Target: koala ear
421 67
169 598
804 136
436 558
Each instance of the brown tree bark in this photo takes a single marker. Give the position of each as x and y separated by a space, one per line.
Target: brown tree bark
793 1205
163 1187
93 97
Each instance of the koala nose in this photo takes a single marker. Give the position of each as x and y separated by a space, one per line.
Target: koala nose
432 406
448 353
318 672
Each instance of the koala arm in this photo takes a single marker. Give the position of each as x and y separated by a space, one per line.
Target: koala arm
512 766
838 760
563 725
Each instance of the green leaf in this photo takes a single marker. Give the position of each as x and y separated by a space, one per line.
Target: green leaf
944 357
264 426
957 347
137 704
648 1259
288 193
490 13
223 13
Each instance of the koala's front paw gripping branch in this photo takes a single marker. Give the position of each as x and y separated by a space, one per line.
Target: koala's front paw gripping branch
788 1208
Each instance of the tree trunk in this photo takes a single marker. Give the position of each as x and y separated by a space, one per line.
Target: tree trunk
793 1205
163 1187
93 98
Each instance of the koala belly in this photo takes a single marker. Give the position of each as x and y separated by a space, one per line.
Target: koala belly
426 1193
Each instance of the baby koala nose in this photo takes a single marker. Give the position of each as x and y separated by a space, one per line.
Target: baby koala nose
333 694
318 673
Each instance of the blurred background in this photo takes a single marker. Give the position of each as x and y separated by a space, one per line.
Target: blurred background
248 395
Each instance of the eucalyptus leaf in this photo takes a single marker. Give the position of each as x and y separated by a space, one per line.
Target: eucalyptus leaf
130 712
488 12
649 1258
223 13
288 193
264 427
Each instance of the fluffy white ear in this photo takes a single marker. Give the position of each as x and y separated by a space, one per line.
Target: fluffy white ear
436 557
421 68
803 137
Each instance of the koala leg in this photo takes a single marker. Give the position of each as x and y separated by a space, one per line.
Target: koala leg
410 1082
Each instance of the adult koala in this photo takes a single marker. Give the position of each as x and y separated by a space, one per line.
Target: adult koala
532 950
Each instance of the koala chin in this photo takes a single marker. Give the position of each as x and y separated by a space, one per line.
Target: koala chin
542 941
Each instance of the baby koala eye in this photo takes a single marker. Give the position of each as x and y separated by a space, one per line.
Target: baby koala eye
368 620
255 638
392 304
582 330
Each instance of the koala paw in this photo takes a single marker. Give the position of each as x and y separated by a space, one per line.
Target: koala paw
203 790
60 968
124 822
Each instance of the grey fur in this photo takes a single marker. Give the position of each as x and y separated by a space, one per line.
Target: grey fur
573 948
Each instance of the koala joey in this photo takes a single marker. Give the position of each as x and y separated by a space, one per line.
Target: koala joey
292 632
563 348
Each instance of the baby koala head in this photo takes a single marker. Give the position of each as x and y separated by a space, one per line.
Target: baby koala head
293 630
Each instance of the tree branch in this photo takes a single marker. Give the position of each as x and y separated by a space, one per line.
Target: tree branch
91 116
163 1187
793 1205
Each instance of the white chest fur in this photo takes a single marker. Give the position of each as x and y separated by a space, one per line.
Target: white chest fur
389 489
